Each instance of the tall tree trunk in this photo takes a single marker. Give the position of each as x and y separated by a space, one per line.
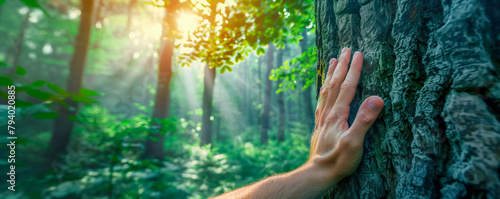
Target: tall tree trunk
219 117
281 102
308 109
267 96
208 90
62 124
436 64
154 143
131 5
18 46
260 80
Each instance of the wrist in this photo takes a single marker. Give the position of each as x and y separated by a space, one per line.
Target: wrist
320 175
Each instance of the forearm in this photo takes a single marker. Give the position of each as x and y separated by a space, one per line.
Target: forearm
307 181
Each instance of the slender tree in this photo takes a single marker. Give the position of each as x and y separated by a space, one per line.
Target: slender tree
130 7
308 109
18 46
208 90
267 96
281 102
154 144
63 126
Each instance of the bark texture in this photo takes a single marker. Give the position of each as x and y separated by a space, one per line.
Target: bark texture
63 126
436 64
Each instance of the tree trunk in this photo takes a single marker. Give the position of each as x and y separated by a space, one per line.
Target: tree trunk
208 91
267 96
18 46
154 143
219 117
131 5
260 80
281 102
436 65
308 109
62 124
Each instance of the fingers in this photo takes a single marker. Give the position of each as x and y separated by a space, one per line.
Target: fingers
367 113
337 79
331 68
348 87
323 93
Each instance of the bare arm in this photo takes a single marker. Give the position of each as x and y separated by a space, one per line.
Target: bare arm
336 148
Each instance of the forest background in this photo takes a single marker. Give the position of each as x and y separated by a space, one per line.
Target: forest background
162 99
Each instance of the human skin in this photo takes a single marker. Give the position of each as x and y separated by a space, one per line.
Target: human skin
336 147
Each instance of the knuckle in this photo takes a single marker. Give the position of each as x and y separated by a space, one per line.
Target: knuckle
349 142
346 142
323 117
323 92
332 84
364 119
345 86
332 117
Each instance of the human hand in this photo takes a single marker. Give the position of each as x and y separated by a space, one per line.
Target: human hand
336 148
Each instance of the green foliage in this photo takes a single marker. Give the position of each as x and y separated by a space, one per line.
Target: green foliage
188 171
244 27
299 69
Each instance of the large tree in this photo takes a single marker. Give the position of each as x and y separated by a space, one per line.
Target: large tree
436 64
63 126
161 110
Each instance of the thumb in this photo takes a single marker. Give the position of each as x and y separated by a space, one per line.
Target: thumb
367 113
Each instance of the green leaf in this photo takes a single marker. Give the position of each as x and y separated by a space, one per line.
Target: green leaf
39 83
34 4
48 115
41 95
20 70
84 99
5 81
21 103
56 89
88 92
73 118
1 62
4 95
261 51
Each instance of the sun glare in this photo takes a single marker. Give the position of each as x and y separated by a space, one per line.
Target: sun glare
187 23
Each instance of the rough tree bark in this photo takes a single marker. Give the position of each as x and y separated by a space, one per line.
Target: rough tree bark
264 119
63 126
154 143
281 102
208 91
436 64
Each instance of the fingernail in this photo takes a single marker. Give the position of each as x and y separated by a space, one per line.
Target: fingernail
343 50
332 61
372 104
355 55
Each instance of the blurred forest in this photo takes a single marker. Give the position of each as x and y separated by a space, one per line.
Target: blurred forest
155 99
